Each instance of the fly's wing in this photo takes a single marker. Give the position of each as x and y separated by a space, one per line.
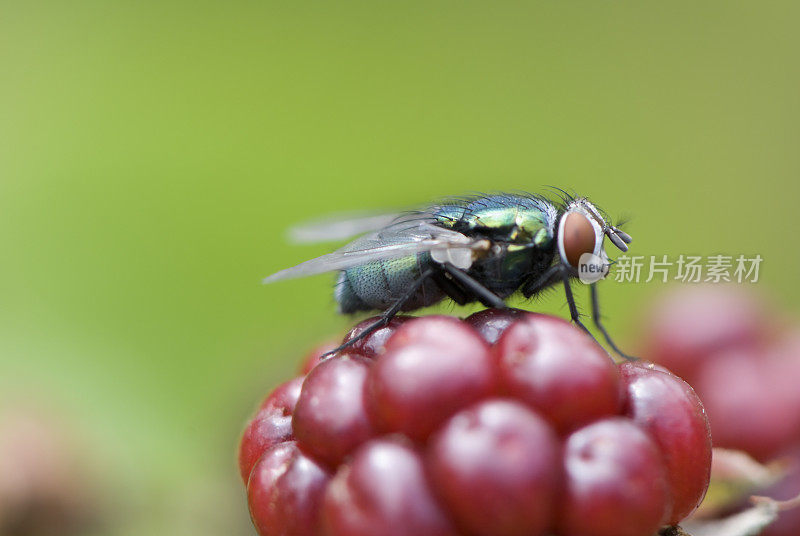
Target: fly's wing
407 236
340 228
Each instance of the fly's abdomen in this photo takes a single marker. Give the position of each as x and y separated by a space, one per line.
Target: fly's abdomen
378 285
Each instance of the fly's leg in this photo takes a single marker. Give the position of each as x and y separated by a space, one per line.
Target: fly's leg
549 277
573 309
387 315
601 328
483 294
451 288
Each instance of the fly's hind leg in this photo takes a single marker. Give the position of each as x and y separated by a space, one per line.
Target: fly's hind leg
388 314
462 287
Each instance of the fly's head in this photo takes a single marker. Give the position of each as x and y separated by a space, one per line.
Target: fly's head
581 231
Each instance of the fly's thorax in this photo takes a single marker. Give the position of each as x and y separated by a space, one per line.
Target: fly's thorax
518 229
507 266
506 218
511 224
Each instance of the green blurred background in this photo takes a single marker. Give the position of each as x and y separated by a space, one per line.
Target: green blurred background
152 156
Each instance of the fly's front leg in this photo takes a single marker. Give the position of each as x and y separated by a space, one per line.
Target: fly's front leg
388 314
548 278
573 308
601 328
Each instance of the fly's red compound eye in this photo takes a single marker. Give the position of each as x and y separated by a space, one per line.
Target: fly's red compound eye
577 237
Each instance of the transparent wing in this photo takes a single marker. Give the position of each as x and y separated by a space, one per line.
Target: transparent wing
410 235
340 227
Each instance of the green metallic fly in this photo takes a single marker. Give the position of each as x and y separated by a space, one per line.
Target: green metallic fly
480 248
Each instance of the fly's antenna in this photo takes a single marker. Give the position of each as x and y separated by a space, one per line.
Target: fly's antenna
619 238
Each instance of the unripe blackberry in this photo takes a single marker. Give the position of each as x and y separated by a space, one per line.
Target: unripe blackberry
383 490
692 325
613 473
491 323
558 370
330 418
373 345
507 424
418 384
668 409
271 425
285 492
313 358
496 466
742 359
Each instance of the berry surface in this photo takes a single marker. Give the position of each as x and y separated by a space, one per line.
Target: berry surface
271 425
667 408
558 370
613 471
330 418
496 466
373 345
418 384
383 489
285 491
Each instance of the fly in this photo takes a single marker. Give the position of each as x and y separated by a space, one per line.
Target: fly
481 248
